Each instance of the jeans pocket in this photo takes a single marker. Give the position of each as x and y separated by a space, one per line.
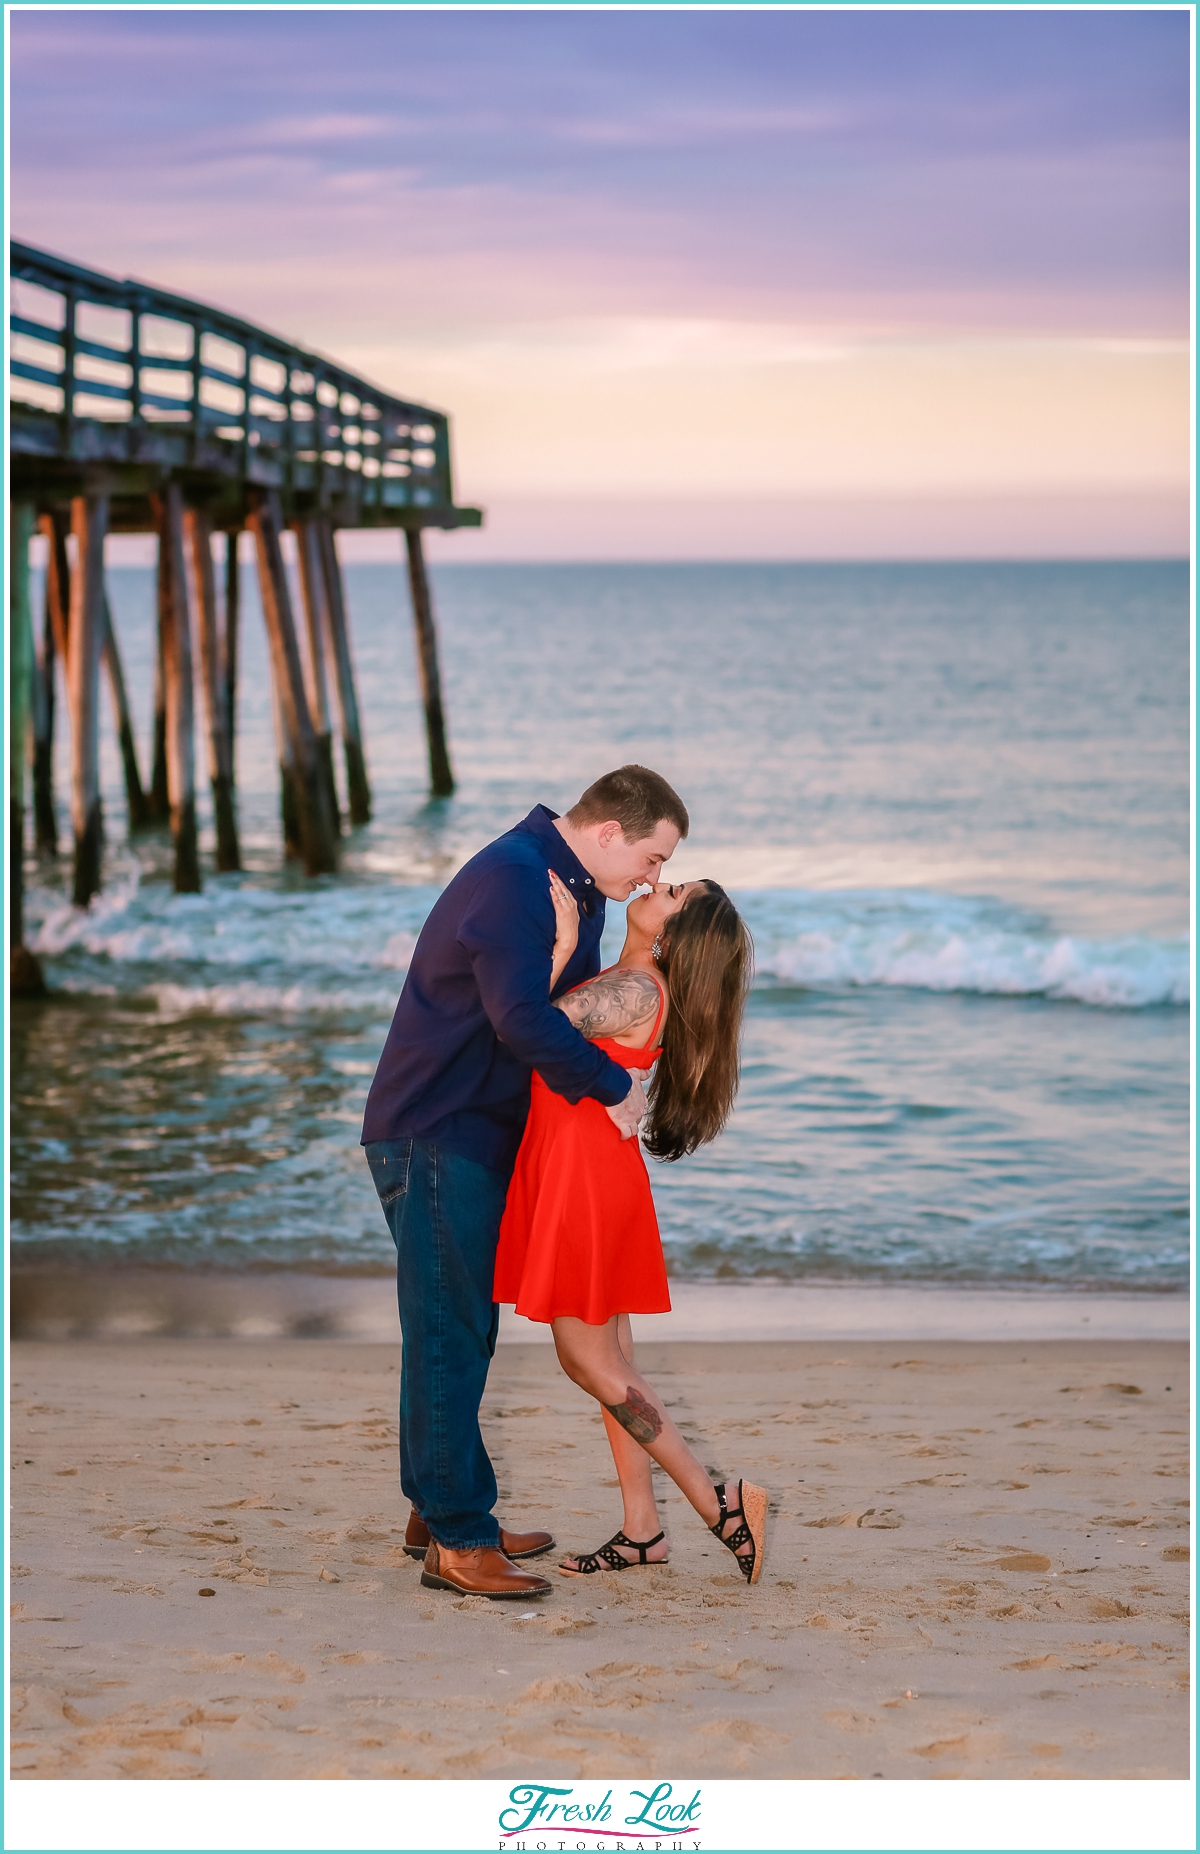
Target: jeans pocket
390 1160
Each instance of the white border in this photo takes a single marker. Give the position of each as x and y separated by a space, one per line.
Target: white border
736 1816
462 1815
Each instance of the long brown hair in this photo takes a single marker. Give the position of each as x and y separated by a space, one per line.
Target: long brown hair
707 959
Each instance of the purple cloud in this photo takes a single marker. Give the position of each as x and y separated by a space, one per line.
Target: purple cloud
734 162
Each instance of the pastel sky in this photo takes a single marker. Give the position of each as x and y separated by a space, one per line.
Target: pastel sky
825 274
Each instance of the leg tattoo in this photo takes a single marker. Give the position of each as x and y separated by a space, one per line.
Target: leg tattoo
637 1415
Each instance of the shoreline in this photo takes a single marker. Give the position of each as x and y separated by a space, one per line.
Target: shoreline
119 1305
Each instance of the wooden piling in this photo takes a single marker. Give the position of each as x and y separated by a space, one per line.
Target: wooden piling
314 822
45 659
316 623
54 527
160 801
175 640
230 639
24 971
289 814
198 526
55 645
341 668
85 645
136 798
441 779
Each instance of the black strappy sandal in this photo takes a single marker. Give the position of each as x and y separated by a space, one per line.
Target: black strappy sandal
607 1558
752 1511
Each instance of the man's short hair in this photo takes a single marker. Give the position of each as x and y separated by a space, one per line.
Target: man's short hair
636 798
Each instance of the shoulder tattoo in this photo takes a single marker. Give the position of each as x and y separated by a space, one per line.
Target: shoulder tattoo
611 1004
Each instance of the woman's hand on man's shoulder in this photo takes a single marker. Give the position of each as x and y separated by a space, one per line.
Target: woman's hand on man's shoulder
566 915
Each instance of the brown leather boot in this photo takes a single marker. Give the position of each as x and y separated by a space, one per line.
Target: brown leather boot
485 1571
512 1544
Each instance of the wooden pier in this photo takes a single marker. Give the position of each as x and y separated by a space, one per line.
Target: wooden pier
134 410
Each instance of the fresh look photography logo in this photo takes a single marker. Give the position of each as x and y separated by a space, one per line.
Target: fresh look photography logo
560 1816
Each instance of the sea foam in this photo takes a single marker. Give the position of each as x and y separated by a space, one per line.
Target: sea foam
1116 974
242 948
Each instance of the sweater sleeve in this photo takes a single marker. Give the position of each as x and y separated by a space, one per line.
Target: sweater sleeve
507 931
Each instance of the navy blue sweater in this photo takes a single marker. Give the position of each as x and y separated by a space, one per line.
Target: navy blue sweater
475 1016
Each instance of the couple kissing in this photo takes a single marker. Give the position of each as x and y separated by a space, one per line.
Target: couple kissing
502 1134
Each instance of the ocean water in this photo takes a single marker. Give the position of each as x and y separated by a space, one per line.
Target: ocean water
951 800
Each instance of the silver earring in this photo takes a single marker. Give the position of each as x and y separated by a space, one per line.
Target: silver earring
656 949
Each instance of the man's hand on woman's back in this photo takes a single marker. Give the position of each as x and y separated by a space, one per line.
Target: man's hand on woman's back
627 1115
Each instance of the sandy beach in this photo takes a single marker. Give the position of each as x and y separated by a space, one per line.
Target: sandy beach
978 1567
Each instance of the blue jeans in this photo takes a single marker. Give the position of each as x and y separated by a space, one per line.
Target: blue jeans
444 1214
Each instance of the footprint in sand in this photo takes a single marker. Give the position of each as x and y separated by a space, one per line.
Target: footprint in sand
749 1736
554 1690
970 1744
844 1720
36 1707
271 1663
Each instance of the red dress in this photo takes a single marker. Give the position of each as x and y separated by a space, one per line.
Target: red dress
579 1234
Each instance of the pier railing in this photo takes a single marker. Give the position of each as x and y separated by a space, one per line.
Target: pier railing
105 370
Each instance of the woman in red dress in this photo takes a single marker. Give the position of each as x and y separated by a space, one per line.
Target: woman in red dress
579 1244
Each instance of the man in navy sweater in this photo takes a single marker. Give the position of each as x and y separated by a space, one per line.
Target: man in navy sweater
444 1120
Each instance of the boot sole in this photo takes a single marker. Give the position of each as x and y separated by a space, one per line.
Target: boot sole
539 1551
499 1596
755 1501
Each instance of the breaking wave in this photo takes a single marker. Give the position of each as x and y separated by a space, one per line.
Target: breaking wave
246 949
938 943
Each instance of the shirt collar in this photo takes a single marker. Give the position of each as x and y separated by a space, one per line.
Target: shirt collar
561 856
